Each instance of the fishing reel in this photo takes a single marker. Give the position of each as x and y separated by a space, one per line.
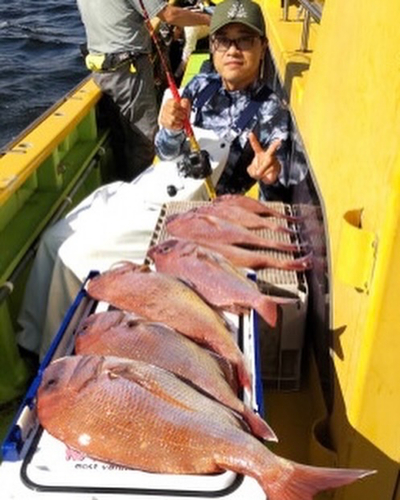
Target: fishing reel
196 165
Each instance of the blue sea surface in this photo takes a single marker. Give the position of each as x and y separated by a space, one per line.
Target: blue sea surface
40 59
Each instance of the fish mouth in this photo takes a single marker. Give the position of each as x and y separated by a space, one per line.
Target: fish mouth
152 251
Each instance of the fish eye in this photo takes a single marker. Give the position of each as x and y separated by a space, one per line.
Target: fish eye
52 381
131 323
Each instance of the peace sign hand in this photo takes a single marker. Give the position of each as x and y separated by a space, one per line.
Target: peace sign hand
265 166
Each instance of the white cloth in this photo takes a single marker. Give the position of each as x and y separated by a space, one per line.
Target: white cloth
114 223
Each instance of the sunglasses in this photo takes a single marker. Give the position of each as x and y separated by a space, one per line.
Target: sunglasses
243 43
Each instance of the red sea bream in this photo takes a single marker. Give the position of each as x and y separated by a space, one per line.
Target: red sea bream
138 415
114 333
161 297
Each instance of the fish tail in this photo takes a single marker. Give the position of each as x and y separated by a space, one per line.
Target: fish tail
268 310
258 426
296 219
302 482
244 376
290 247
300 264
286 230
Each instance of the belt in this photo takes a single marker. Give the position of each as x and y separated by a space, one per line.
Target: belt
111 62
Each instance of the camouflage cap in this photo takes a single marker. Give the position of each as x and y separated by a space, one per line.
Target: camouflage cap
244 12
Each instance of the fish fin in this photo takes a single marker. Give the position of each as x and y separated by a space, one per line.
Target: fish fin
219 261
302 482
190 248
207 255
283 300
188 283
244 377
228 371
267 309
212 220
300 264
149 384
258 426
235 308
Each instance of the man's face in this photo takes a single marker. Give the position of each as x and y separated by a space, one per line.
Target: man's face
237 63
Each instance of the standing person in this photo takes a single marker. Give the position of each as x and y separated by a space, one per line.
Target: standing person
119 46
116 222
235 102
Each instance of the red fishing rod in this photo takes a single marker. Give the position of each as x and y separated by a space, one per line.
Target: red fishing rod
197 165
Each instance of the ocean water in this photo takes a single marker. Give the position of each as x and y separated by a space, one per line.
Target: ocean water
40 59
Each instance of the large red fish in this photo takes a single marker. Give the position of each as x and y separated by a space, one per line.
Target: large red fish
114 333
254 206
239 215
160 297
212 276
202 228
138 415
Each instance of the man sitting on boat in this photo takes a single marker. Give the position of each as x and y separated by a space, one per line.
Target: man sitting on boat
241 123
234 102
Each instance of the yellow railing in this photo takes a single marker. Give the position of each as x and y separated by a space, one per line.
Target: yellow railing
308 11
26 154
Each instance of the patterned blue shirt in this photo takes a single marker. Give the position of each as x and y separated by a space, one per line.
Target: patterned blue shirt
220 114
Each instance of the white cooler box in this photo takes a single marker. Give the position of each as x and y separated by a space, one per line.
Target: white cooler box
37 466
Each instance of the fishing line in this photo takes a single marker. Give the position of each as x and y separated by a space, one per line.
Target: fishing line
198 160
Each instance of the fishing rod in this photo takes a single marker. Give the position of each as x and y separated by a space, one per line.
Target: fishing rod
197 164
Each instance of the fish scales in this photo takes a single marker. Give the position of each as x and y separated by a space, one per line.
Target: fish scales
141 416
99 404
160 297
113 333
213 277
120 334
202 228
